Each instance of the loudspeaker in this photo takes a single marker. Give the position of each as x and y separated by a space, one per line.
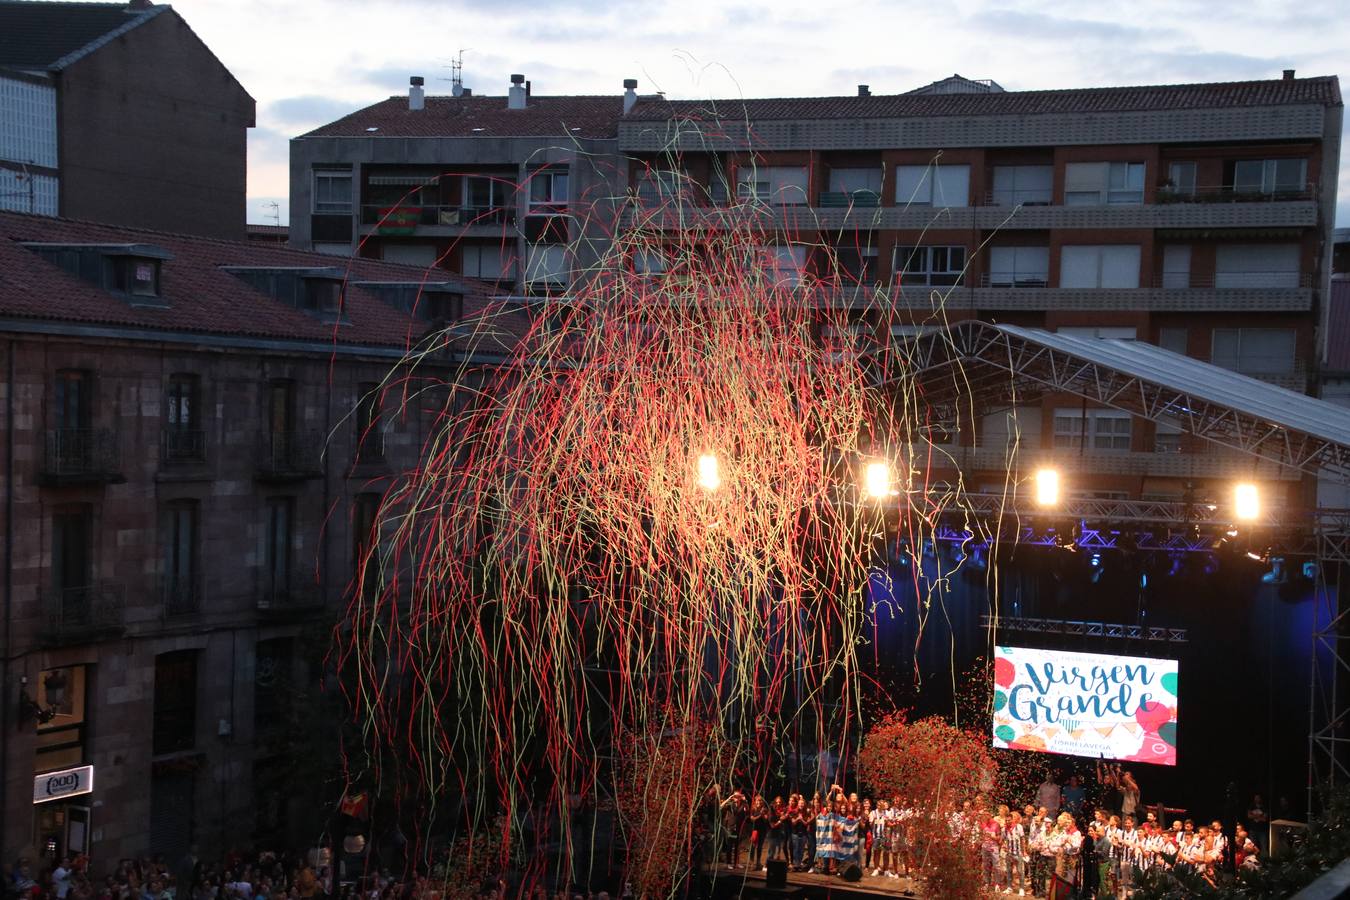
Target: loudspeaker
851 872
777 874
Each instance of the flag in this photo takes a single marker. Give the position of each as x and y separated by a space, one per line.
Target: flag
355 806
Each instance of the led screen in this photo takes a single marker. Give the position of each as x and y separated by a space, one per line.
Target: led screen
1086 704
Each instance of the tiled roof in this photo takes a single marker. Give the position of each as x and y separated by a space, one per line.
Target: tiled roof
1324 91
574 116
201 296
38 34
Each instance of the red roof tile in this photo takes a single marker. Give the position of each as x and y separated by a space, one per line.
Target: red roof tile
1324 91
575 116
201 296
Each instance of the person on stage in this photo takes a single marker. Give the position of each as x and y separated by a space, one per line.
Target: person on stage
826 821
758 823
1065 843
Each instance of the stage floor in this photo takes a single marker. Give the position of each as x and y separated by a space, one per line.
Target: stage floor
733 882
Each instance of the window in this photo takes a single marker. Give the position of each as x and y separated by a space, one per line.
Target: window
175 715
279 533
1019 266
273 665
783 264
423 256
1173 339
649 261
486 261
322 295
1103 429
137 276
180 557
1024 185
1109 266
365 518
656 186
1103 183
1120 333
1255 351
857 263
1181 179
333 192
932 185
183 436
369 434
72 400
861 187
483 194
1257 266
548 191
930 266
545 264
281 407
1177 266
72 556
778 185
1269 176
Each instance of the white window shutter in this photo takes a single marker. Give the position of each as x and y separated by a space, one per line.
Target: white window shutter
1120 266
1078 266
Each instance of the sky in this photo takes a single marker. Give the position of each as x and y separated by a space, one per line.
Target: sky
308 62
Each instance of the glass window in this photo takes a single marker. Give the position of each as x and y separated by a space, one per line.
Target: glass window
1024 185
1103 183
1099 266
1268 176
1258 266
1174 339
548 190
486 261
545 264
1019 266
332 191
777 185
1103 429
1255 351
930 266
649 261
945 186
72 400
279 525
1100 333
180 556
72 553
369 435
483 193
1181 178
175 710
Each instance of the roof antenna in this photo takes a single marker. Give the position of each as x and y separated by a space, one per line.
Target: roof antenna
457 74
276 211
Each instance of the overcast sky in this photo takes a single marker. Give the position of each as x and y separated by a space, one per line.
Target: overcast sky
308 62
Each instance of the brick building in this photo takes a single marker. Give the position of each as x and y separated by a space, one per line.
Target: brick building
194 443
117 112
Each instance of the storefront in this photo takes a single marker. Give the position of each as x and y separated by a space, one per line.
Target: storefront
61 816
62 781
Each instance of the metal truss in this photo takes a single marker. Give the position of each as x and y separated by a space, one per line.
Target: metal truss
977 359
1086 629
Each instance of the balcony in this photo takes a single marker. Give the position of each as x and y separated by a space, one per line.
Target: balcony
298 596
82 614
81 456
846 199
289 456
1232 292
1229 193
182 597
182 446
383 219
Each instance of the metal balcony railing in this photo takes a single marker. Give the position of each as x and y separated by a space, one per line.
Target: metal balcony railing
1028 197
1015 279
1229 193
182 445
290 455
410 216
836 199
296 594
83 612
81 455
182 596
1234 280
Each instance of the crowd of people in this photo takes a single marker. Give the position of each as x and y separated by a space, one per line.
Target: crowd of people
1052 847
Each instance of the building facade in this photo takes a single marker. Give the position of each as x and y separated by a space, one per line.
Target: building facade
196 440
119 113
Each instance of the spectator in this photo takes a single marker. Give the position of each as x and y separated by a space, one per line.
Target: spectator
1074 796
1048 794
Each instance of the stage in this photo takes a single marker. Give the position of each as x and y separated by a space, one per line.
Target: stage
740 882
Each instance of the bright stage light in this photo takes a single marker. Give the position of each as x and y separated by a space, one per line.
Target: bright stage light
877 480
1246 501
709 478
1047 487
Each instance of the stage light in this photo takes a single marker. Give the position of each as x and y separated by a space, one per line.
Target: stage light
877 480
709 478
1095 564
1276 574
1310 570
1047 487
1246 501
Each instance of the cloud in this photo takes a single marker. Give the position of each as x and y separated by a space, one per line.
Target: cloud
1058 29
309 110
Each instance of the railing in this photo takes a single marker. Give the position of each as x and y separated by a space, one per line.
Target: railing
83 612
1015 279
81 453
182 596
290 454
1234 280
836 199
1229 193
400 218
1028 197
297 594
182 445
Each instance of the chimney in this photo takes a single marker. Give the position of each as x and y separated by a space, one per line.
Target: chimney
416 99
515 98
864 90
1288 74
629 95
527 91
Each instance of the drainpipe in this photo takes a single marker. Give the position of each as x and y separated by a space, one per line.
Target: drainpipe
5 701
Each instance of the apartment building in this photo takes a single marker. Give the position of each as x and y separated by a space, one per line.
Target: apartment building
195 442
1197 217
118 112
521 190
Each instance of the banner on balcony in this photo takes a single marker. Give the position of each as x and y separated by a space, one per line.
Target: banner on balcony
400 220
1086 704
